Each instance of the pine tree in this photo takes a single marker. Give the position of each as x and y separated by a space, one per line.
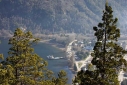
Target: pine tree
61 80
29 68
6 74
107 54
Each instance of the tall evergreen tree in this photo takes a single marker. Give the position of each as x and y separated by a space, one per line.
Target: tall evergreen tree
107 54
29 68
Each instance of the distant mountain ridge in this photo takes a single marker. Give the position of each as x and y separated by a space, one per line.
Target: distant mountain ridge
42 16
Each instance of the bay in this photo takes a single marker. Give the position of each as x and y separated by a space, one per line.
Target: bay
43 50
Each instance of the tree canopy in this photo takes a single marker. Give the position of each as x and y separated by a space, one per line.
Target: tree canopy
23 66
108 56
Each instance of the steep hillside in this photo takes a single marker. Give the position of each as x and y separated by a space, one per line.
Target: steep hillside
58 15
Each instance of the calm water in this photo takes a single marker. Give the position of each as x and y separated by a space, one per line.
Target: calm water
44 50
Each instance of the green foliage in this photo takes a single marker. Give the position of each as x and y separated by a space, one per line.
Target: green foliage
28 66
24 67
82 55
6 74
86 78
61 80
107 55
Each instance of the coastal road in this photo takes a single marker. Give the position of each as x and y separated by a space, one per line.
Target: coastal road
83 62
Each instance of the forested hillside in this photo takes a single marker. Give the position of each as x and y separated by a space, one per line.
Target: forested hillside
42 16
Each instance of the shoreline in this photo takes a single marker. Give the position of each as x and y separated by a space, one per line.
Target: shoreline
53 44
64 50
70 76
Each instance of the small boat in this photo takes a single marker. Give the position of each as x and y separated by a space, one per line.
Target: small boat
52 57
61 57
